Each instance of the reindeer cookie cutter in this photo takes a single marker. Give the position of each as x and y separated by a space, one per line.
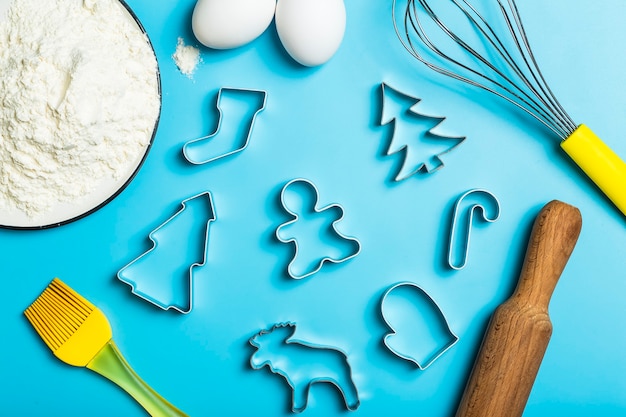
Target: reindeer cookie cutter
315 370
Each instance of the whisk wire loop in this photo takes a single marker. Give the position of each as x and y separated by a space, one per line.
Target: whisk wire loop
530 97
518 21
506 84
531 93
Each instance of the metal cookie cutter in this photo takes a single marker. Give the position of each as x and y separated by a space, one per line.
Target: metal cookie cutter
303 364
313 191
461 238
191 225
245 105
444 145
448 338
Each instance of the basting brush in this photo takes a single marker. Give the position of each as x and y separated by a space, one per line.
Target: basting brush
79 334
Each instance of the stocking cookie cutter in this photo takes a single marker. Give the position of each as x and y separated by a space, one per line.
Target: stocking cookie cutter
188 146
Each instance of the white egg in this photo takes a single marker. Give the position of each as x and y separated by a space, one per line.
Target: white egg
311 30
226 24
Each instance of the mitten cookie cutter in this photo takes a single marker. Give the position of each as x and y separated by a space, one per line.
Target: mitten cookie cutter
452 339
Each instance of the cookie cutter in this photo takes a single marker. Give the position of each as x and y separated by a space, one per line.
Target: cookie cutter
435 307
295 217
385 120
465 233
192 147
314 370
125 276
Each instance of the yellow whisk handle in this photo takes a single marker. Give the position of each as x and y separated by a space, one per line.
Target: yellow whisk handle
599 162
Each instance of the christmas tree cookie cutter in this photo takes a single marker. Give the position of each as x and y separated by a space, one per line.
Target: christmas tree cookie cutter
385 119
165 294
277 349
310 188
459 239
242 107
407 350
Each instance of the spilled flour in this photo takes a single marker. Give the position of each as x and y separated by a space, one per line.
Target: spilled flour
79 100
186 57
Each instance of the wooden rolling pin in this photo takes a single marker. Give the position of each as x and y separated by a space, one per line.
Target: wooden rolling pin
519 331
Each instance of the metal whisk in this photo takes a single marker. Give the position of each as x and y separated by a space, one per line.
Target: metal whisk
504 65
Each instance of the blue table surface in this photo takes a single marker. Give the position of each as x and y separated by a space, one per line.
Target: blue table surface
321 124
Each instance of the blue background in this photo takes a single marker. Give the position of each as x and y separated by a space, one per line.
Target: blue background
321 124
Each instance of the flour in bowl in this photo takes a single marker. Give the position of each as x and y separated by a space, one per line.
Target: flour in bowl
79 100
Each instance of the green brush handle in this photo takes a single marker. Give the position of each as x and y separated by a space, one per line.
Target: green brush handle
110 363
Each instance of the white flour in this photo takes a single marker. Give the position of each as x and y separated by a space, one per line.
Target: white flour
78 100
186 57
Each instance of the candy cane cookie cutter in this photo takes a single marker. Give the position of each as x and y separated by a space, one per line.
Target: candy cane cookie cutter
460 234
